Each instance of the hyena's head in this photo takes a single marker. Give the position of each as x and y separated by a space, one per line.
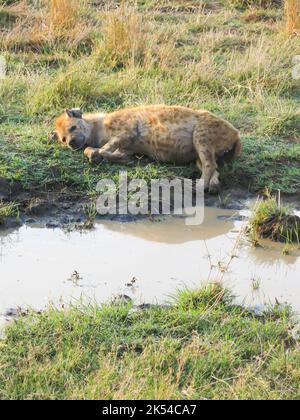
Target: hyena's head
71 129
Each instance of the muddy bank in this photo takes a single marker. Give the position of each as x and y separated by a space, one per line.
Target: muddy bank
62 208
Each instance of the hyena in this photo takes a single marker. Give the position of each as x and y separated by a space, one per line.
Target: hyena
166 134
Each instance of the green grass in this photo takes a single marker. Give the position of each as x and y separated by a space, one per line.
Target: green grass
201 347
271 220
234 65
269 163
7 210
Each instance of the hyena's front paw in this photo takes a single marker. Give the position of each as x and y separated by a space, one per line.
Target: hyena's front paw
93 155
214 185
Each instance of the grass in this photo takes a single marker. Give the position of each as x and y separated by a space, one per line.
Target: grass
273 221
201 347
233 58
7 210
292 10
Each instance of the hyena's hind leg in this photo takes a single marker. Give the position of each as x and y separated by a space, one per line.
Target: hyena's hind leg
207 161
214 183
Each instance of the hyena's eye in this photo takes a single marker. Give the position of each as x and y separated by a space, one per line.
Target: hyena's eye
73 128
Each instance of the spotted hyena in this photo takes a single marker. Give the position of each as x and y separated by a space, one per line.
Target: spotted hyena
167 134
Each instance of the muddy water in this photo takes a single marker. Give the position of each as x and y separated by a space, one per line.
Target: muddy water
146 260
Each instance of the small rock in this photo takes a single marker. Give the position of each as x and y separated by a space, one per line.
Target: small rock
66 206
52 225
11 313
145 306
30 221
235 218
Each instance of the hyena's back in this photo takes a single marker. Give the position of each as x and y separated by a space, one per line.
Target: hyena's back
166 133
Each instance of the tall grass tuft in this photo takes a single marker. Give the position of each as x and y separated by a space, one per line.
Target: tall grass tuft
270 220
130 40
125 35
292 12
7 210
63 14
44 25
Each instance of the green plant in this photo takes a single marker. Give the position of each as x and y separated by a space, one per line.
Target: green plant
8 210
255 284
271 220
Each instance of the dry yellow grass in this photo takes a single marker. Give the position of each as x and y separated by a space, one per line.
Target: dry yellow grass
292 11
131 40
124 37
36 27
63 14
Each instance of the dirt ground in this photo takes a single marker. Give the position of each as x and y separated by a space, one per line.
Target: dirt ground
59 210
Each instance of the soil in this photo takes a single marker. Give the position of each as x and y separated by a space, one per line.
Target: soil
58 209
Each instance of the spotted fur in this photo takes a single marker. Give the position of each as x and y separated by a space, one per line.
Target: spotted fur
167 134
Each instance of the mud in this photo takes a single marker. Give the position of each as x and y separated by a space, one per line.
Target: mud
57 209
63 209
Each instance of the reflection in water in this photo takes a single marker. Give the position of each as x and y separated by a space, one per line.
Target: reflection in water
36 264
271 255
174 230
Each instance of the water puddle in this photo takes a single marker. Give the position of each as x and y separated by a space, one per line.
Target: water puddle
146 260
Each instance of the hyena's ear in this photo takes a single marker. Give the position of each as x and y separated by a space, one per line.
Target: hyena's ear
74 113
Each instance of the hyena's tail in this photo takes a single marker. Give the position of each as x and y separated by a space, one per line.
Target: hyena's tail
232 154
